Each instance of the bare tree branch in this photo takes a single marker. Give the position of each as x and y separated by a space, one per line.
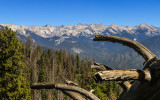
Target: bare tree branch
123 75
138 47
66 88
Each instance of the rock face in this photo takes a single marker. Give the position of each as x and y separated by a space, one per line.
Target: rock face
79 38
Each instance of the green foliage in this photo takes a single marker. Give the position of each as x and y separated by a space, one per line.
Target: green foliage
13 83
42 69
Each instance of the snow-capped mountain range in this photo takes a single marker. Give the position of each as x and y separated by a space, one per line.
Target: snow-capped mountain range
49 31
79 39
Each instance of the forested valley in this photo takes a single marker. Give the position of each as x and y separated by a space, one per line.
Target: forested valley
22 64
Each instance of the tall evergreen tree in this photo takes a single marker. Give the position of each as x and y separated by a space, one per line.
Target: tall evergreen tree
29 47
13 83
78 63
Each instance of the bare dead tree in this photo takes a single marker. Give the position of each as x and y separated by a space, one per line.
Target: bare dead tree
147 84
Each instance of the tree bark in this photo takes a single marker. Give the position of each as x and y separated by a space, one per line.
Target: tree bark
123 75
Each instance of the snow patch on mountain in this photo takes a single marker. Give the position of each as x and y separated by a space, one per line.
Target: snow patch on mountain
77 50
60 40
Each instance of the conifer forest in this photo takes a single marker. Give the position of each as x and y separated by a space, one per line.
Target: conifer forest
22 64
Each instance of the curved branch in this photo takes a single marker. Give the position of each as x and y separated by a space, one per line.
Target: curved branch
62 87
138 47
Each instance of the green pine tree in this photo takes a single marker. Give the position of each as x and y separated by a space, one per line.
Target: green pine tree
13 82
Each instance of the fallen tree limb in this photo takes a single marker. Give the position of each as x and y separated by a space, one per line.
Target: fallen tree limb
123 75
62 87
125 84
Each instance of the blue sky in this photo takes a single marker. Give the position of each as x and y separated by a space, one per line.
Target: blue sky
72 12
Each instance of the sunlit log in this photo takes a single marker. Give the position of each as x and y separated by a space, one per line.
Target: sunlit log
63 87
123 75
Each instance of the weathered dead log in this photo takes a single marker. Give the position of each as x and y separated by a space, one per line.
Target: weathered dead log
125 84
123 75
65 87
